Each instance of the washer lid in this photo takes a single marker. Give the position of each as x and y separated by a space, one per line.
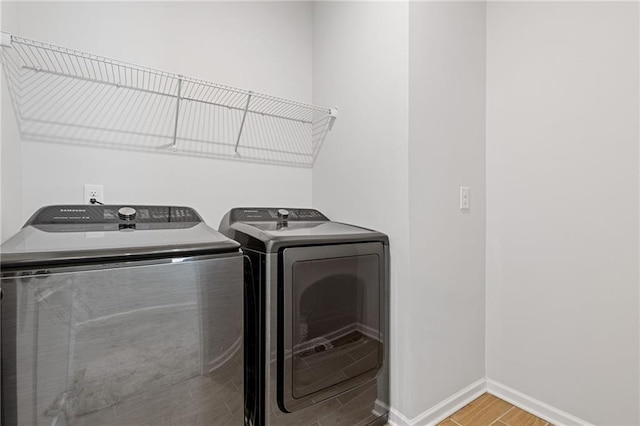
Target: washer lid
92 234
261 229
268 231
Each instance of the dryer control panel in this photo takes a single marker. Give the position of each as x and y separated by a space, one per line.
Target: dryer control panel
276 214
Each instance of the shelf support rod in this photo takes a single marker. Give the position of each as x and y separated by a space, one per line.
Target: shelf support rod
175 128
244 117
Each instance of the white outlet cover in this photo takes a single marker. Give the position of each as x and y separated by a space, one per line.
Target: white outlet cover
92 191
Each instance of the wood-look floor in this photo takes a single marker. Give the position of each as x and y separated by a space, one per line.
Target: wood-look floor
490 410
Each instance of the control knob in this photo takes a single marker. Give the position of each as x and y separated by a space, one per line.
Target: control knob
283 214
127 213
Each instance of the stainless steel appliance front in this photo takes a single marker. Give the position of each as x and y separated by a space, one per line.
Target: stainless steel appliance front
331 321
317 318
155 342
335 398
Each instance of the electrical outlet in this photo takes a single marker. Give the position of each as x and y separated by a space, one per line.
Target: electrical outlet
93 191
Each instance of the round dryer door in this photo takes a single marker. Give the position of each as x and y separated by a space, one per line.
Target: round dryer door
332 303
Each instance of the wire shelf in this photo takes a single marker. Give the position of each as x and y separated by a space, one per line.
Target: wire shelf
68 96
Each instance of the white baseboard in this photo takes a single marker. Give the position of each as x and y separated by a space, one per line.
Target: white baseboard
396 418
458 400
532 405
441 411
379 408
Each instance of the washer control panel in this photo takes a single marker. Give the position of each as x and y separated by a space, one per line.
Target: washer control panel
260 214
105 214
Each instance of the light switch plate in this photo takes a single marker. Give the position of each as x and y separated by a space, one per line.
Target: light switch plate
465 198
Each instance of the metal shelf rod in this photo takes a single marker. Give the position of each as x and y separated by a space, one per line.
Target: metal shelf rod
137 68
95 80
250 111
81 55
268 98
155 92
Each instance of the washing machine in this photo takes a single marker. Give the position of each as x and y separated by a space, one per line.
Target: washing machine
316 318
121 315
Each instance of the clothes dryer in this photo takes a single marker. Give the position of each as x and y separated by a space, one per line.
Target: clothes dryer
316 318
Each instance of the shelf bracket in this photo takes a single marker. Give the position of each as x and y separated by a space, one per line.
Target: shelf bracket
333 114
175 128
244 117
5 39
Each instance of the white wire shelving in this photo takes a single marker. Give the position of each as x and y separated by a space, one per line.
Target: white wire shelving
67 96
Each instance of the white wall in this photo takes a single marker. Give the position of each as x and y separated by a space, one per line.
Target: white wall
394 162
360 64
262 46
562 205
562 169
10 146
446 151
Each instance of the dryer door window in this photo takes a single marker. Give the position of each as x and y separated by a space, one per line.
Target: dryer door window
331 339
